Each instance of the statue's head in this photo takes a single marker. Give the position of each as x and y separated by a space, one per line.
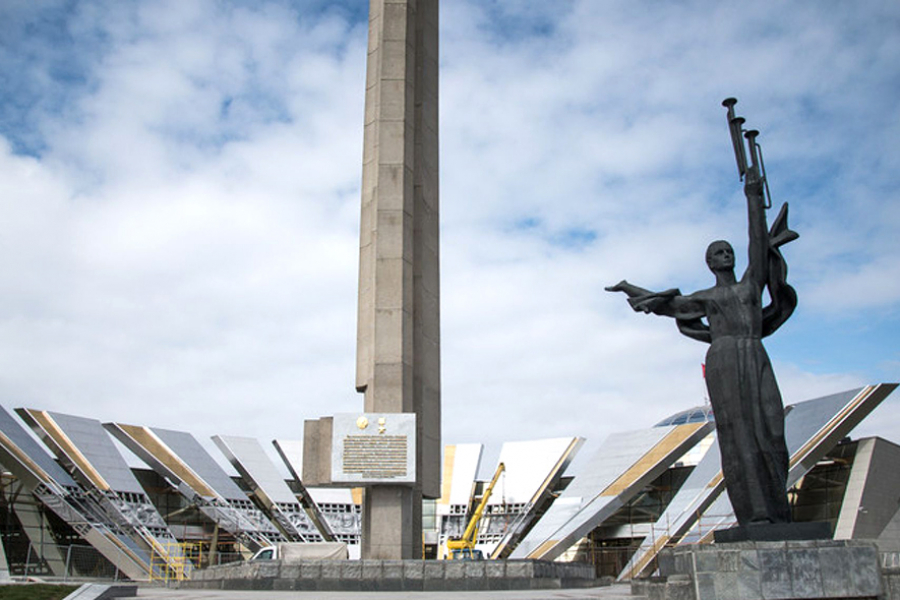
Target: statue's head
720 256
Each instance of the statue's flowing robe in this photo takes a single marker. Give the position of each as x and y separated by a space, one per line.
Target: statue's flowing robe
749 418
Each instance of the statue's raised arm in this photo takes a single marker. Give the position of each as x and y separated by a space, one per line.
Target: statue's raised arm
766 266
758 249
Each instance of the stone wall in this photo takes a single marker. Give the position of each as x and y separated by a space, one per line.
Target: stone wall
394 575
891 577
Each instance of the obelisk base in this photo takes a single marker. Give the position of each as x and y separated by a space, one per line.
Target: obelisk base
391 523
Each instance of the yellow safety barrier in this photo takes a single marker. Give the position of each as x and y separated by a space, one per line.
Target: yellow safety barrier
174 561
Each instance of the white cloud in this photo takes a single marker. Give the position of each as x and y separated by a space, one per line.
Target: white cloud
182 252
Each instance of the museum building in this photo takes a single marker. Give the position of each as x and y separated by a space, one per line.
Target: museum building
75 505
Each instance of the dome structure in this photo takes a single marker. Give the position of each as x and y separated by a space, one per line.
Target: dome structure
697 414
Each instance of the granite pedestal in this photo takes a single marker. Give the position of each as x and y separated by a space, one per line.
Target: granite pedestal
755 570
395 575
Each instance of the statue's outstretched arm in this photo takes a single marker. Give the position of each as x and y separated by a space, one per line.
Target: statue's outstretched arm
669 303
631 290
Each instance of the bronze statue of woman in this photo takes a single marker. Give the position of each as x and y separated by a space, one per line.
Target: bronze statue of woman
743 392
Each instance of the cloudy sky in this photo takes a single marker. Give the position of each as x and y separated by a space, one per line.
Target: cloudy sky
179 205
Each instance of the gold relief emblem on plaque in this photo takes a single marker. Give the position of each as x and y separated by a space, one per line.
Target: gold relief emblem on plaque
381 425
362 422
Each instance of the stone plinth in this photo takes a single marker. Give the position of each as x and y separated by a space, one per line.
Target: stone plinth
774 532
395 575
891 577
768 570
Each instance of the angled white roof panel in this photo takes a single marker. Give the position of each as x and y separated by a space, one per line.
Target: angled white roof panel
186 447
34 451
84 443
332 495
548 460
291 452
461 464
623 465
249 458
528 465
255 466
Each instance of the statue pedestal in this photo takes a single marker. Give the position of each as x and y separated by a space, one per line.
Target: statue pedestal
774 532
773 570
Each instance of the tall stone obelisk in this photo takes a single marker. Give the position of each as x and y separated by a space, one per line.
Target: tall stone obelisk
398 338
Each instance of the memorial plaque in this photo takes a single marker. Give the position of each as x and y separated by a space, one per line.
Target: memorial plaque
374 448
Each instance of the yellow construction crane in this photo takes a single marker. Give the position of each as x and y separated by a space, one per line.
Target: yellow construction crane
463 548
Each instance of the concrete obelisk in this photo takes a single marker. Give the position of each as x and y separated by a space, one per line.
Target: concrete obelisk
398 337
